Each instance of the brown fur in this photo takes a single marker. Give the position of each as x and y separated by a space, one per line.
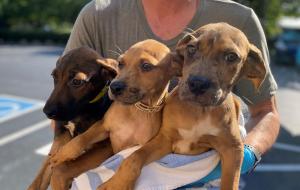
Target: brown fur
194 123
123 123
73 105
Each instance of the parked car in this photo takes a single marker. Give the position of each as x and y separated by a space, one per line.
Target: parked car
287 45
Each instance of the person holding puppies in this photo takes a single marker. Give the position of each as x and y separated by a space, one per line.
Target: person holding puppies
109 26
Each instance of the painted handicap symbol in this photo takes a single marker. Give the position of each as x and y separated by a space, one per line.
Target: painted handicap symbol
12 106
8 107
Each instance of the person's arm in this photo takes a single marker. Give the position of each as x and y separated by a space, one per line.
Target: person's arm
264 124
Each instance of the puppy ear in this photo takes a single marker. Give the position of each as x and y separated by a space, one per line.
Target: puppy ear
254 68
110 64
176 63
58 61
183 42
172 64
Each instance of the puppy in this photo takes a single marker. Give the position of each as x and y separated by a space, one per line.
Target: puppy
203 113
78 100
139 91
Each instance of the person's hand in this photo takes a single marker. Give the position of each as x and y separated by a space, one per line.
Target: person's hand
247 166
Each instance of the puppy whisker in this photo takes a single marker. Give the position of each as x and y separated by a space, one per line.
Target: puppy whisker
189 34
249 101
116 53
190 30
186 33
120 50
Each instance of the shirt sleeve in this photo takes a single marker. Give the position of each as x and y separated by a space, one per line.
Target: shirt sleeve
84 29
244 89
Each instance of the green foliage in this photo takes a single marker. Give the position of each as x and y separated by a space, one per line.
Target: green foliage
34 36
269 11
38 14
59 15
291 7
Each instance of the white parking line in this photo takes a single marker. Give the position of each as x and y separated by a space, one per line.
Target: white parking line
278 168
26 131
288 147
44 150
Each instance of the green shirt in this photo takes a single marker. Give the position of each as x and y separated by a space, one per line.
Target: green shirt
105 25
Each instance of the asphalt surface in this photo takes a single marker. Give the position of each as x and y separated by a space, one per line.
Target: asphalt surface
25 72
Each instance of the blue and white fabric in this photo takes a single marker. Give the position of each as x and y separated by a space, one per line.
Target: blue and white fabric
173 171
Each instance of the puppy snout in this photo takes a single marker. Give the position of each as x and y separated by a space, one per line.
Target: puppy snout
198 85
117 87
51 111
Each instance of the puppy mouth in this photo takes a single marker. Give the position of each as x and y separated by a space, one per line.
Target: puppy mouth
209 98
127 97
61 117
59 112
130 100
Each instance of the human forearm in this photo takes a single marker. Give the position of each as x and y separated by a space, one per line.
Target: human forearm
264 124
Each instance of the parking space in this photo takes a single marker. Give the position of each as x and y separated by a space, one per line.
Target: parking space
25 83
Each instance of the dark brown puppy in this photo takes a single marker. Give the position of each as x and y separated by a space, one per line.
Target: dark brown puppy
203 113
78 100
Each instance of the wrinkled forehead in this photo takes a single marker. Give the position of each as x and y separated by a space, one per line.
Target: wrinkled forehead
146 52
222 38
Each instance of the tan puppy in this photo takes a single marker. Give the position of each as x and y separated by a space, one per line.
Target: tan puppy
203 113
139 92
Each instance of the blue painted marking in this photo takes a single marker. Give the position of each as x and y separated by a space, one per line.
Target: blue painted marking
11 106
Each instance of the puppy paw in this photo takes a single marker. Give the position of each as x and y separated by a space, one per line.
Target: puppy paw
64 154
57 159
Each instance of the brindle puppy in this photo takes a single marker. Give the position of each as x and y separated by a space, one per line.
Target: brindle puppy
78 100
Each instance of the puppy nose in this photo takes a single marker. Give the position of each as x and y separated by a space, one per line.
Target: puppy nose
51 111
117 87
198 85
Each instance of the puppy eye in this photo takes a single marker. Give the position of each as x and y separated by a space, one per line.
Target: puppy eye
77 82
121 65
191 50
146 66
231 57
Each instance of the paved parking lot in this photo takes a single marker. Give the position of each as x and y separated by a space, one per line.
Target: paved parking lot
25 84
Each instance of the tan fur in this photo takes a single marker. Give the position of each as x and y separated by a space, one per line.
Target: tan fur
123 123
193 124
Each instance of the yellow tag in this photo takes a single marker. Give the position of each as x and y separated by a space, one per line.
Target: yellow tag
100 95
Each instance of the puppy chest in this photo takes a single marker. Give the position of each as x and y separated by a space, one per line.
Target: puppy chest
190 141
132 133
